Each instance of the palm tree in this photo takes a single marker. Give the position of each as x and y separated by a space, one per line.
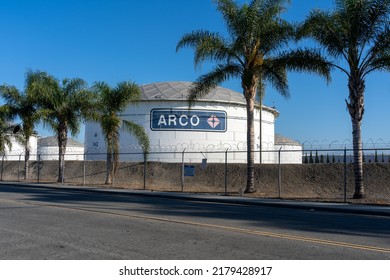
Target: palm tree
111 102
356 32
64 105
253 54
22 105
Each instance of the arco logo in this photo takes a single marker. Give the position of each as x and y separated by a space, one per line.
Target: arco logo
213 121
191 120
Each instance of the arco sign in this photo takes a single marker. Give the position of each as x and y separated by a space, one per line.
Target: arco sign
192 120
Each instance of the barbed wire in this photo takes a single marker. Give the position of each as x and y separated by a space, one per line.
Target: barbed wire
370 143
323 144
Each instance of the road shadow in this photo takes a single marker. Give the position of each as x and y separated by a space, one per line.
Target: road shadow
255 216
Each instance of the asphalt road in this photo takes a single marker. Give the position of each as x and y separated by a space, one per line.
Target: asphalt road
38 223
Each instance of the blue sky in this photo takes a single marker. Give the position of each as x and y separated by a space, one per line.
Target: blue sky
118 40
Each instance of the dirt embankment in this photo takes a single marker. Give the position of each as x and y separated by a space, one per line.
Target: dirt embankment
296 181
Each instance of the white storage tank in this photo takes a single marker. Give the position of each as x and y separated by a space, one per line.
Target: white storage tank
48 149
216 123
16 151
291 151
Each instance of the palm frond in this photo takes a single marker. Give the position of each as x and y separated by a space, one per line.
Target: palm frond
71 87
322 27
207 46
380 63
115 99
6 130
207 82
139 133
229 10
276 75
304 60
278 34
110 125
375 57
376 15
74 124
101 88
11 94
44 88
129 92
5 113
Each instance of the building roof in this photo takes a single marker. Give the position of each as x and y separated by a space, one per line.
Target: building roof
179 91
282 140
52 141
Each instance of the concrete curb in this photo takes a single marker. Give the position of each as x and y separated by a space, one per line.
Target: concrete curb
360 209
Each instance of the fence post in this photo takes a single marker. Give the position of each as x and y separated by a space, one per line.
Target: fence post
226 170
279 173
2 167
85 154
19 166
345 174
144 171
113 177
63 174
39 167
182 170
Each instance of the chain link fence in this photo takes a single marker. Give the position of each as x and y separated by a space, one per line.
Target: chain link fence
323 175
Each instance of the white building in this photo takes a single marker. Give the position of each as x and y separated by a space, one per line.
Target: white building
215 124
48 149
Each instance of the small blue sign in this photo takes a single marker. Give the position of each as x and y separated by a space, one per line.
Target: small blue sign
197 120
189 170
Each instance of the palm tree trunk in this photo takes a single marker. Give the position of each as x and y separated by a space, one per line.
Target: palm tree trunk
61 166
62 139
355 106
358 160
26 158
109 168
250 108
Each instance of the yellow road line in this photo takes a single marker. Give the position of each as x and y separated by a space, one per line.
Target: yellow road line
227 228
